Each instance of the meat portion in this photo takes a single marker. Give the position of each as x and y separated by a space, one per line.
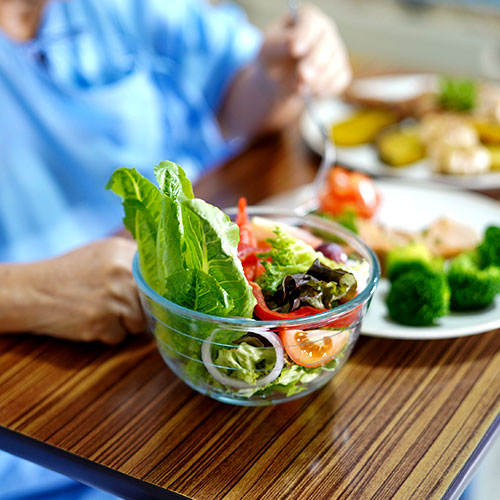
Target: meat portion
444 237
448 238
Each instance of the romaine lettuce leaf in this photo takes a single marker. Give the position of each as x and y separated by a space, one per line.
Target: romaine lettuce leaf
211 241
142 203
176 188
184 243
198 291
173 181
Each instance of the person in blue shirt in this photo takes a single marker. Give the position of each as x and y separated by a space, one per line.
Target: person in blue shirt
87 86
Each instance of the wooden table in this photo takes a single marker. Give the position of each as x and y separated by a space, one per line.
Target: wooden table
403 419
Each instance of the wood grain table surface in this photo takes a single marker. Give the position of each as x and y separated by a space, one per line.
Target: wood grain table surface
403 419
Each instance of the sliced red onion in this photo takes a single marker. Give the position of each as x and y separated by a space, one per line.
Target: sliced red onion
206 357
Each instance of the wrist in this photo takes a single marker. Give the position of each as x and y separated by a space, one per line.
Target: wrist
22 301
248 102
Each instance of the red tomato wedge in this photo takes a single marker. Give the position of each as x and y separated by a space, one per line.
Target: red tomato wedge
313 348
346 190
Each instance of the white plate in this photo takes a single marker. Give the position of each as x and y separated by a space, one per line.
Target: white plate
413 208
395 87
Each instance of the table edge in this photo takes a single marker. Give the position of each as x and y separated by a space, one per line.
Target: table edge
470 467
81 469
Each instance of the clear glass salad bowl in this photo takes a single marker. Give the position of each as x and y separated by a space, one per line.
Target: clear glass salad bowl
251 362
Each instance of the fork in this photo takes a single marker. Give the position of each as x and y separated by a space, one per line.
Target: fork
329 155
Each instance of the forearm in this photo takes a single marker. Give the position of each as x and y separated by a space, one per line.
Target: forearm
21 302
254 105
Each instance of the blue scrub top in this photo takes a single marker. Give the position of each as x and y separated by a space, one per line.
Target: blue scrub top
107 84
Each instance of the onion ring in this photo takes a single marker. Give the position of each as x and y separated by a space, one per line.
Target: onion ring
206 357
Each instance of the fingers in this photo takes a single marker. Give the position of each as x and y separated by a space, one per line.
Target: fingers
128 307
309 53
324 67
111 333
331 74
305 35
123 290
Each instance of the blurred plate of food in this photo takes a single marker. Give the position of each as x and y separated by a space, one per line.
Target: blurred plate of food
438 245
421 126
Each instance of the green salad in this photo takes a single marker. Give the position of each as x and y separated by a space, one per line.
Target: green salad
193 255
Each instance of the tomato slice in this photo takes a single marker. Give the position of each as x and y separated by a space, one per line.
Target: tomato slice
313 348
347 190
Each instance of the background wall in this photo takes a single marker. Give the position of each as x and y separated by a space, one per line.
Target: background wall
455 37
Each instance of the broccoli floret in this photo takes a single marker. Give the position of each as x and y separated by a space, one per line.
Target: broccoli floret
472 287
489 249
411 256
418 296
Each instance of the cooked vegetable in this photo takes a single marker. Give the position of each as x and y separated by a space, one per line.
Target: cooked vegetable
414 255
494 151
399 147
488 131
349 191
459 160
418 297
313 348
187 248
489 248
456 94
362 127
471 287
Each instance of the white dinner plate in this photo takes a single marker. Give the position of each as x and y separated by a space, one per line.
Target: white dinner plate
365 158
413 207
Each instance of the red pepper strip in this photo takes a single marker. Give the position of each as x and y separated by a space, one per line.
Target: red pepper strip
263 312
252 267
247 238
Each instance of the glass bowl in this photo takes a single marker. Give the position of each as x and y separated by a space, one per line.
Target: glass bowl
249 362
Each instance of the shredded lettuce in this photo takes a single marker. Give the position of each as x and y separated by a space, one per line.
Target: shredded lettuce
246 362
289 255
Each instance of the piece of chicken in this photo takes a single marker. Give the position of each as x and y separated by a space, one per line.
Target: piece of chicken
444 237
447 238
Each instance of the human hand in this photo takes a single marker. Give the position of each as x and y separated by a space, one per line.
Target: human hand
268 93
308 54
88 294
